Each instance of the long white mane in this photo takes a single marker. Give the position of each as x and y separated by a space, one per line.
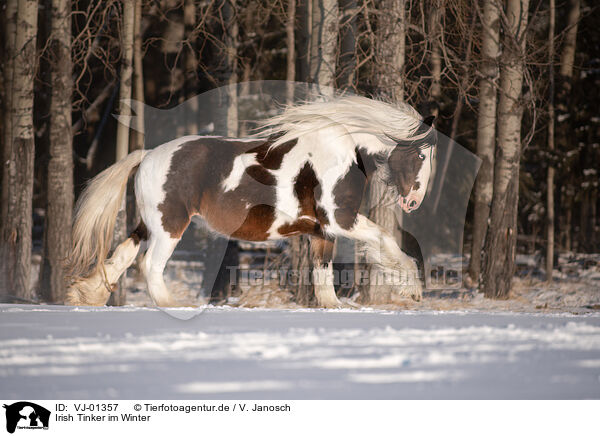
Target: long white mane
356 114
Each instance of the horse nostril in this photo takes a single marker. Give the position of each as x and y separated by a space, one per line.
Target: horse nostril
412 204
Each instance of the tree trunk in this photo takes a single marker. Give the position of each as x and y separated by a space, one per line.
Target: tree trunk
137 142
303 39
10 33
290 75
191 68
60 167
463 82
17 183
551 170
391 48
323 47
118 297
486 132
231 42
435 28
373 292
389 75
298 280
223 286
301 267
500 241
348 37
564 117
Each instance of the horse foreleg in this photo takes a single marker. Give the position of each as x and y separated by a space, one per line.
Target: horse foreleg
382 249
95 290
322 250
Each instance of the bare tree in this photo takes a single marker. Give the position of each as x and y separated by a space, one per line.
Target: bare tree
10 33
434 33
318 37
191 67
290 40
486 131
348 39
551 169
391 49
303 38
564 116
501 237
223 287
389 73
57 232
324 45
17 183
118 297
138 79
231 28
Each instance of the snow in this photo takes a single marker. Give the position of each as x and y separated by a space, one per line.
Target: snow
56 352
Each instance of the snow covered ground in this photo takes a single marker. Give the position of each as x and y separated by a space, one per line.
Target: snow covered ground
54 352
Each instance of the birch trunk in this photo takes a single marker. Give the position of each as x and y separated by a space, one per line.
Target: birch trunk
500 241
324 42
17 183
389 74
348 37
224 286
118 297
434 26
231 43
138 80
317 55
10 33
486 132
191 68
60 166
391 49
290 41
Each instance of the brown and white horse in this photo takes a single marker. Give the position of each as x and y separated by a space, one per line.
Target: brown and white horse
306 176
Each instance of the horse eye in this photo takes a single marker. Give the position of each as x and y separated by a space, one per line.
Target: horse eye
421 156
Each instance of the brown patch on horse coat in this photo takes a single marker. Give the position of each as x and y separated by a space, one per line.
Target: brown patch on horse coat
140 233
307 189
272 158
193 186
349 191
257 223
261 175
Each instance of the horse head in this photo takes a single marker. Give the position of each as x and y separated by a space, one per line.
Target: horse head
411 165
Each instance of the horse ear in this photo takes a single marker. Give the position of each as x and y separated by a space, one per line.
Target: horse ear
429 120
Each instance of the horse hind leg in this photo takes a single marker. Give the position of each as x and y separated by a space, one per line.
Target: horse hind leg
160 249
96 289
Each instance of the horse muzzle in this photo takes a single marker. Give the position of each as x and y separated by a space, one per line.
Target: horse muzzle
409 203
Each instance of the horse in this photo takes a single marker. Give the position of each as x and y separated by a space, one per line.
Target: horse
304 172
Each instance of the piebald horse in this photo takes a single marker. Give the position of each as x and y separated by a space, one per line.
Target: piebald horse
306 175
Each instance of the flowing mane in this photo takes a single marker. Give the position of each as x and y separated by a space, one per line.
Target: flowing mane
357 114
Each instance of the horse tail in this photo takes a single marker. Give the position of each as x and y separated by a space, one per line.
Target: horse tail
95 215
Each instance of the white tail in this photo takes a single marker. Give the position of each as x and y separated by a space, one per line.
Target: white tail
95 215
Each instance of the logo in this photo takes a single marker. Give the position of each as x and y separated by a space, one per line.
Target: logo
26 415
